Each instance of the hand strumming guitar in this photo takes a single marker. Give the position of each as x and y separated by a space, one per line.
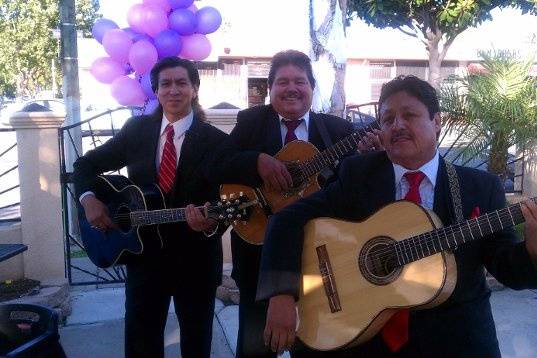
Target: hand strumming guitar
370 142
97 213
274 174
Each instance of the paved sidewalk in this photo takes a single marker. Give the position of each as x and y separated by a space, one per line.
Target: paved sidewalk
95 328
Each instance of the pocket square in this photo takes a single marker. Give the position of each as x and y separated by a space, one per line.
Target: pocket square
475 213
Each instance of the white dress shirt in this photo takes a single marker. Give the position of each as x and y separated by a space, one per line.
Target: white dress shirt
430 169
301 131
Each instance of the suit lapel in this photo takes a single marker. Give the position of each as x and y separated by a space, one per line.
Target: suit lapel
274 134
382 176
314 136
155 122
192 150
443 206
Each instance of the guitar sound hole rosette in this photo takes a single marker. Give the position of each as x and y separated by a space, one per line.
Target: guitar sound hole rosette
377 261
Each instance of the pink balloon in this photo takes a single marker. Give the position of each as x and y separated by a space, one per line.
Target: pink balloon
135 17
163 4
117 44
195 47
143 56
155 20
127 91
106 70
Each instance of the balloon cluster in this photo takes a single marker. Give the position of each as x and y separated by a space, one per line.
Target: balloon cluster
157 29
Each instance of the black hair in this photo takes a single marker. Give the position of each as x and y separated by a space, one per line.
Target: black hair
291 57
415 87
193 76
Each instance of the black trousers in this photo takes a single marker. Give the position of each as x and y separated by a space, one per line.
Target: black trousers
149 290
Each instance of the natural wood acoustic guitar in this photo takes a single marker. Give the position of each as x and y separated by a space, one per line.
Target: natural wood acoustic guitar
304 162
355 276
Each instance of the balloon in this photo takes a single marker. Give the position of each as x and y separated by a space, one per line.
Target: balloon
209 20
195 47
130 32
135 17
106 70
183 21
145 82
163 4
100 27
168 43
145 37
127 91
142 56
192 8
155 20
151 106
117 44
177 4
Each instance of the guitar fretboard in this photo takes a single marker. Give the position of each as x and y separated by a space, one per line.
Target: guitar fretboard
331 155
157 216
446 238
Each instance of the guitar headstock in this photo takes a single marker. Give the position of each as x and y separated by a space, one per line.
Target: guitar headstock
231 208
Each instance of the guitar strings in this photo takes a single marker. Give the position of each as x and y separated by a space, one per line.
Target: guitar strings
408 248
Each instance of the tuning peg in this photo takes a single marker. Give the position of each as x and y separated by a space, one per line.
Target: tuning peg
239 216
230 216
241 193
219 203
232 195
224 197
220 216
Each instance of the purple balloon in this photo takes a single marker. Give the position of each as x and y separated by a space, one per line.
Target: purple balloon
163 4
127 91
145 82
135 17
168 43
117 44
142 56
209 20
183 21
140 37
155 20
106 70
130 32
195 47
178 4
100 27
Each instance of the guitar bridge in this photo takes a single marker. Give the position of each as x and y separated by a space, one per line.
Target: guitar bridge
329 281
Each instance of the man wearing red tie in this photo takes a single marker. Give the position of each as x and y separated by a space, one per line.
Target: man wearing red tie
410 169
171 147
247 158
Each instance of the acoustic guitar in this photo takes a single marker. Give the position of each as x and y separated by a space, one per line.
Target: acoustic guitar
355 276
304 162
137 213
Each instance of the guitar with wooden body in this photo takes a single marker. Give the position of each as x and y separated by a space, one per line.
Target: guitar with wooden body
355 276
137 213
304 162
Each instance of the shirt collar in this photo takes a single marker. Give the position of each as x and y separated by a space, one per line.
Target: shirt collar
305 117
430 169
180 126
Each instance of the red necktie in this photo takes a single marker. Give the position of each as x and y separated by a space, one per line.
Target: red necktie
291 126
395 331
168 162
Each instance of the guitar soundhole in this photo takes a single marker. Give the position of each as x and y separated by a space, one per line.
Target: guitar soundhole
122 219
378 261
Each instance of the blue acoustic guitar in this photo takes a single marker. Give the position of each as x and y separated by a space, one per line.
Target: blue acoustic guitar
137 213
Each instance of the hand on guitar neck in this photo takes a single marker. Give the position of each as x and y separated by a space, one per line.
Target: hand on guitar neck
199 222
529 210
97 213
274 173
370 141
280 327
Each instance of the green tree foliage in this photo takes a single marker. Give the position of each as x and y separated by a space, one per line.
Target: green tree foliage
436 23
494 107
27 45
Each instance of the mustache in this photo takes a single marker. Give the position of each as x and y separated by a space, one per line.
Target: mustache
400 135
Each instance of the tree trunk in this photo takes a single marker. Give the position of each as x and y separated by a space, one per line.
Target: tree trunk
435 64
498 155
327 33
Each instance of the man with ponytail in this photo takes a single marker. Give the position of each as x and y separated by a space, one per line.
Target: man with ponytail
170 147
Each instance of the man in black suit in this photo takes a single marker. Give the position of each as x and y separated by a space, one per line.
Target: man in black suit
247 158
463 325
171 147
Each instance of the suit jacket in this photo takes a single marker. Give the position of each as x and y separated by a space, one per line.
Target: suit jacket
135 146
258 131
461 326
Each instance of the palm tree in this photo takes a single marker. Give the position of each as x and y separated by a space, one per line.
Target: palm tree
492 107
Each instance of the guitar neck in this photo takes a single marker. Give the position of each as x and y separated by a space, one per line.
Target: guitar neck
162 216
331 155
432 242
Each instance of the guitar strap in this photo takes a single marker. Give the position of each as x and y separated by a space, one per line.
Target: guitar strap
455 189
